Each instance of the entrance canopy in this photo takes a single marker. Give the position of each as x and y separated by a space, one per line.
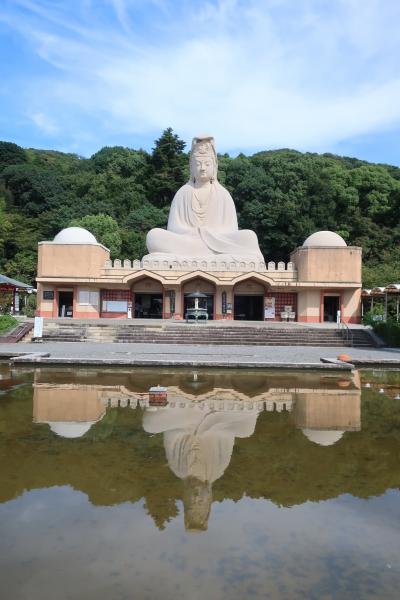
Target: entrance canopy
9 291
391 290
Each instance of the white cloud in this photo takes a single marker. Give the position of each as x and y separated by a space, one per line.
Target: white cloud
44 123
256 73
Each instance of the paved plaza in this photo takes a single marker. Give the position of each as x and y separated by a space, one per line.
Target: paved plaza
195 355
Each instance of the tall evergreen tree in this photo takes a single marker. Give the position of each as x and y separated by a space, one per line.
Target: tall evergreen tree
167 168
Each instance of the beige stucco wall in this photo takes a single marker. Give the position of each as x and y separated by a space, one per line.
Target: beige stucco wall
352 304
56 403
44 305
308 305
147 286
200 285
337 410
249 287
71 260
335 265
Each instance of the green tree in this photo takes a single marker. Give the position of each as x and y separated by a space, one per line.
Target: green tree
146 217
32 190
11 154
104 228
5 229
167 170
133 244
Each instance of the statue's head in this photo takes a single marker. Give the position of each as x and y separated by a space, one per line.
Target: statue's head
197 500
203 159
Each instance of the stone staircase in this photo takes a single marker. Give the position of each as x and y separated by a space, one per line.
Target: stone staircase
74 331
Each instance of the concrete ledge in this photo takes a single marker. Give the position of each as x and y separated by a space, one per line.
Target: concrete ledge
336 361
372 362
45 358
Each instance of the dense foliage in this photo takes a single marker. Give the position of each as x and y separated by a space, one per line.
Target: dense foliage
120 193
390 332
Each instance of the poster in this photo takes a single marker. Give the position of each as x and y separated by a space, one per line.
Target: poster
269 308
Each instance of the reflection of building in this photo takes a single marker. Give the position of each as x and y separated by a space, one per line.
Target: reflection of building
202 421
313 399
69 410
324 418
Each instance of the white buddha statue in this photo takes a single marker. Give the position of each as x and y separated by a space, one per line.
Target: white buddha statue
202 220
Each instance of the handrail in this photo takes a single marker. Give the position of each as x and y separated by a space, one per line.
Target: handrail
346 332
19 332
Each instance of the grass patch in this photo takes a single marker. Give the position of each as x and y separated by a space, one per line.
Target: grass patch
7 322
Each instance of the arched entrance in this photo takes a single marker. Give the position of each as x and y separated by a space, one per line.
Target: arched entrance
148 299
248 301
200 285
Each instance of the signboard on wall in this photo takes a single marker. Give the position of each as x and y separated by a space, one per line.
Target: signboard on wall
48 295
269 308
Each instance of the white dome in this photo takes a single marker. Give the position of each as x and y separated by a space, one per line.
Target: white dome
323 437
324 238
75 235
70 429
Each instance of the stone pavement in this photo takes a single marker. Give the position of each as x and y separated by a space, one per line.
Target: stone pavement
87 353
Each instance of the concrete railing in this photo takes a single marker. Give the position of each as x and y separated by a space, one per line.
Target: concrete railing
199 265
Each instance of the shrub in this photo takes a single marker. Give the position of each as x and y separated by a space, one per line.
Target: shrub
30 307
389 331
374 316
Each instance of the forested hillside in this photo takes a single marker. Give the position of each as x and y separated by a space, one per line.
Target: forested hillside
120 193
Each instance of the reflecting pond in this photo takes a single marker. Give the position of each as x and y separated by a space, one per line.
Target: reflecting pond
251 484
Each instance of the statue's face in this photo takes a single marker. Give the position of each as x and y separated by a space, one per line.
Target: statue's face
203 167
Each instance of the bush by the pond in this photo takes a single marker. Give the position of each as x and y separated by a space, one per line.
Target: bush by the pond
29 307
7 322
374 316
389 331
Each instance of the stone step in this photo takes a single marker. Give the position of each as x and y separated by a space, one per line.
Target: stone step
201 334
281 342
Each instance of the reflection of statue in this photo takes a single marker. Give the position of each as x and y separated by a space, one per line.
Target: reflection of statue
199 445
202 220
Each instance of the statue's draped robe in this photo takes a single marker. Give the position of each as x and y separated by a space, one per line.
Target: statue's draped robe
199 443
209 230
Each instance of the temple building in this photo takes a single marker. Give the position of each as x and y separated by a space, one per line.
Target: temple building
76 278
202 250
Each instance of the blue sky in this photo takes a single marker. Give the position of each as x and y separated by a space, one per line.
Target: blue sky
314 75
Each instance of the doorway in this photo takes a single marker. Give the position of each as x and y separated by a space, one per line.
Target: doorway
331 306
209 305
65 304
148 306
249 307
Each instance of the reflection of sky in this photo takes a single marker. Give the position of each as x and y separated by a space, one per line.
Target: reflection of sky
56 544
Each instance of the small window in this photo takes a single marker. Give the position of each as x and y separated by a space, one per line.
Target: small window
88 297
117 306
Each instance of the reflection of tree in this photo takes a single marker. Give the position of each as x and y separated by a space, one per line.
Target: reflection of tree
119 462
161 508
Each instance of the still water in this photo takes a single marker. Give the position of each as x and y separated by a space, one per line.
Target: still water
250 484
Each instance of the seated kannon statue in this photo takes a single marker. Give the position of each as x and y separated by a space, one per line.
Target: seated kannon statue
202 220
